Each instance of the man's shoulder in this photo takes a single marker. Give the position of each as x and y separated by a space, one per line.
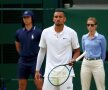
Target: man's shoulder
37 29
48 29
69 28
19 30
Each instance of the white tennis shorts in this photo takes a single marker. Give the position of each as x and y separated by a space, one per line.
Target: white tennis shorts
68 85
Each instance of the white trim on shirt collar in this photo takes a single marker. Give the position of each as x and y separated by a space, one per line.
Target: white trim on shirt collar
96 34
33 28
60 32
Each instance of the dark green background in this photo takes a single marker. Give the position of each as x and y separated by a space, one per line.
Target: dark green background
10 18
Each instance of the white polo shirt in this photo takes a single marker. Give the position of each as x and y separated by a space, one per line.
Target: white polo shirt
59 46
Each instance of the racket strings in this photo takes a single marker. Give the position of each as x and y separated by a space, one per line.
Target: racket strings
59 75
60 71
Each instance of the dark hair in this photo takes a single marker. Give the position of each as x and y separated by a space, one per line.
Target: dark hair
23 25
60 10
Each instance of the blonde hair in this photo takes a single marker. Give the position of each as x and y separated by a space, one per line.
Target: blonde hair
92 19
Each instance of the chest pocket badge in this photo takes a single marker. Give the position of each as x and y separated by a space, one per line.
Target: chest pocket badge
32 36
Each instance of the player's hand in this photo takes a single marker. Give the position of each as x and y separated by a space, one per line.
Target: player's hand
38 80
37 75
71 62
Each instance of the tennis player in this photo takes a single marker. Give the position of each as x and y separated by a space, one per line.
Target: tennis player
94 44
27 40
60 44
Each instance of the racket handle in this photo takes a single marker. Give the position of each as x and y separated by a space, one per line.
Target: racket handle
77 59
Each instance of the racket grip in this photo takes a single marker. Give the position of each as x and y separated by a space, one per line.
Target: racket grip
72 62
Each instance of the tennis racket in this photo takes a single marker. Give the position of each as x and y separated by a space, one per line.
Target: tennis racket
59 74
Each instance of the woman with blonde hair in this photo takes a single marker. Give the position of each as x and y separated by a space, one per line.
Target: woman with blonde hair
94 44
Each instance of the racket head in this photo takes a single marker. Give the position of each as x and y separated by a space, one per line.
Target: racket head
59 75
